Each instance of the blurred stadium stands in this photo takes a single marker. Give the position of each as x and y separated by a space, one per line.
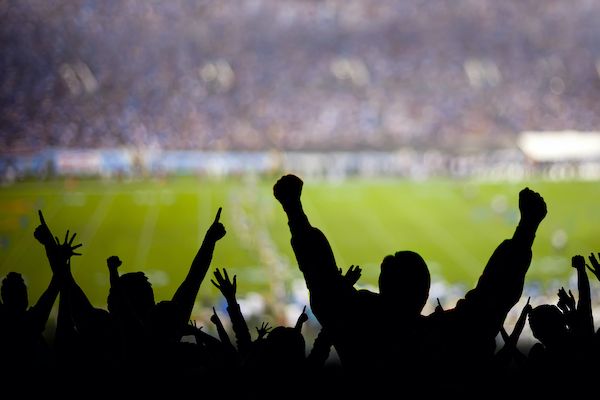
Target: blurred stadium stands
294 75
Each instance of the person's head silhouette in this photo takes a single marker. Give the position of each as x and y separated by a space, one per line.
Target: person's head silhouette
548 324
14 292
138 291
404 281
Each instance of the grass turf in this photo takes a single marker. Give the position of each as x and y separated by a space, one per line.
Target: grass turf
157 225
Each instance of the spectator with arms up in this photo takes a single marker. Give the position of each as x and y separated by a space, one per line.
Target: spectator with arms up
382 339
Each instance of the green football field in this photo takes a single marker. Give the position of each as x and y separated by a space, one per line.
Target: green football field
156 226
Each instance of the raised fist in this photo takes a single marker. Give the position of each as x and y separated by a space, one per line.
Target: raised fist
113 262
287 190
578 261
532 206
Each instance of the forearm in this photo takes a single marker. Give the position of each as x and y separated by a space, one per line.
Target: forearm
320 350
40 312
223 336
525 233
113 274
187 292
239 326
297 219
584 304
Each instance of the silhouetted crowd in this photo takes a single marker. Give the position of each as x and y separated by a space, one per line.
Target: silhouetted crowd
386 347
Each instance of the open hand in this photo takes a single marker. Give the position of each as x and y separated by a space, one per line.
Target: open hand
224 284
263 330
595 267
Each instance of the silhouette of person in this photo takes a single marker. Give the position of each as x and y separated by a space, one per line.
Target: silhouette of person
27 355
566 348
136 337
397 345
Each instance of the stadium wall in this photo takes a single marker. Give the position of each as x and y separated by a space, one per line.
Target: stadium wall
497 165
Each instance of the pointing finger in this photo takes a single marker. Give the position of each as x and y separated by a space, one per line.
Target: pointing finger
218 215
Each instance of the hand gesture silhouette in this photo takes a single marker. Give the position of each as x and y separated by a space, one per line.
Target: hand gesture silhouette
287 190
578 261
42 232
532 206
113 262
214 318
595 268
216 231
66 248
353 274
302 318
263 330
224 284
566 302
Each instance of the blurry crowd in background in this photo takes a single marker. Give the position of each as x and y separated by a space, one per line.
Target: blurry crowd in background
294 74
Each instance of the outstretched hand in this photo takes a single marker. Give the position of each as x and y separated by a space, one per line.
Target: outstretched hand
224 284
595 267
263 330
566 302
353 274
532 206
66 249
287 190
216 231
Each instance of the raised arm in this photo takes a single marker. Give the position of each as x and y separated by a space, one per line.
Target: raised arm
500 285
39 313
75 312
186 293
223 336
238 322
510 350
533 211
595 265
585 318
312 249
